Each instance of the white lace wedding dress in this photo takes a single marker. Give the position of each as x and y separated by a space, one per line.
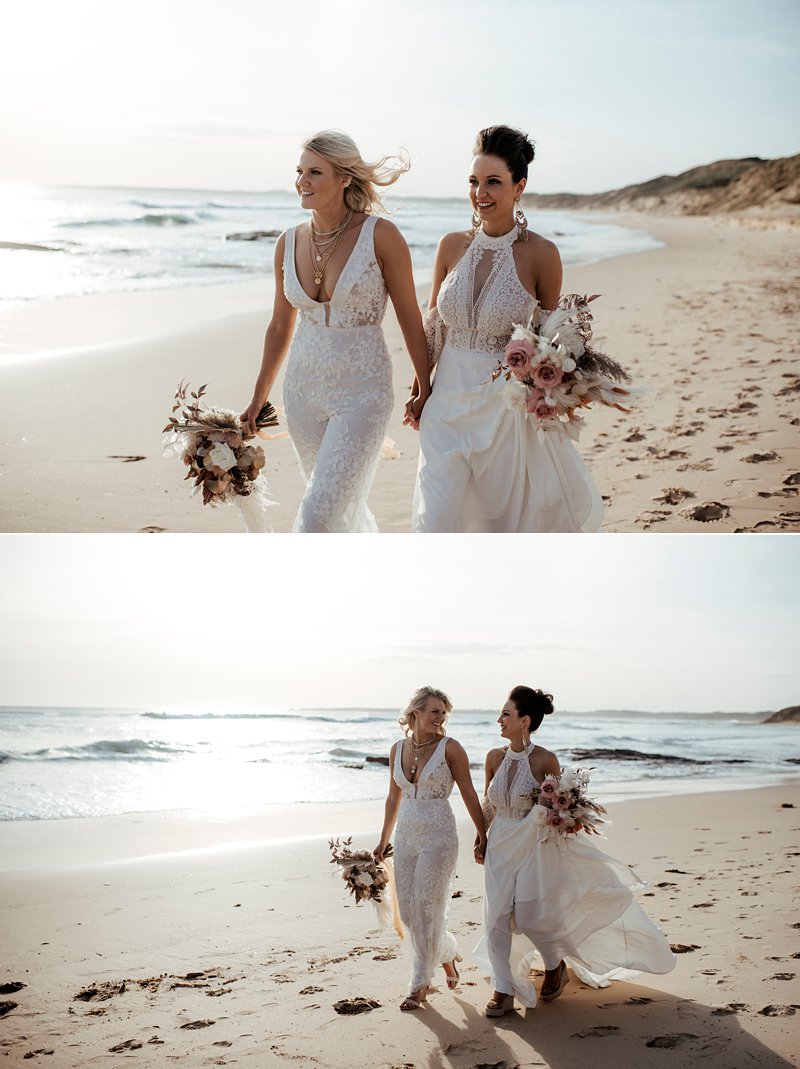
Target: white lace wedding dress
425 854
337 393
555 899
482 466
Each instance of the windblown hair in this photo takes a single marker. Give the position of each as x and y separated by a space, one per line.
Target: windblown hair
343 155
533 703
417 704
514 147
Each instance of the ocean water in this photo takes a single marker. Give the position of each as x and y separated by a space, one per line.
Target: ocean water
103 240
60 762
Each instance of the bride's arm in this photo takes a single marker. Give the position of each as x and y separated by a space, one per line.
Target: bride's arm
391 809
541 272
394 259
276 343
459 765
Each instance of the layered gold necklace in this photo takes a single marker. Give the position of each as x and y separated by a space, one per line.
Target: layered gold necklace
416 752
322 245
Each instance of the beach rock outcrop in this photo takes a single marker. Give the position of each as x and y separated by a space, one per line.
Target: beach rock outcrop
723 186
790 715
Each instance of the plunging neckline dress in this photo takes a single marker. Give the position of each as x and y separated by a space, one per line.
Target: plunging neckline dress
483 466
425 855
337 392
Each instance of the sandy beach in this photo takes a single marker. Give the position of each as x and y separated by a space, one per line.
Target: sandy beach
705 324
153 939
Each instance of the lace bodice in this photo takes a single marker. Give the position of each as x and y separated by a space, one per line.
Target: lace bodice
513 786
435 779
359 297
482 297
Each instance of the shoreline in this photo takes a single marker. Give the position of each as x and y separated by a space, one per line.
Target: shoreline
212 956
711 445
147 836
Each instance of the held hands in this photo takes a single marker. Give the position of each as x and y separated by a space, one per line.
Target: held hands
414 407
479 849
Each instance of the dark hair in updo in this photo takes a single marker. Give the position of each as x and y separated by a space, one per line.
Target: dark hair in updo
533 703
512 146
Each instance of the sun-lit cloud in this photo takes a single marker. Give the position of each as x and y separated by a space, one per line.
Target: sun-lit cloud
697 623
613 93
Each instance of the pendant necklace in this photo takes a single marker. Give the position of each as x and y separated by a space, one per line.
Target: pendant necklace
416 753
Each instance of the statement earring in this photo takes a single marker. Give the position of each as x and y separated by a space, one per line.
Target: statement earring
476 222
521 221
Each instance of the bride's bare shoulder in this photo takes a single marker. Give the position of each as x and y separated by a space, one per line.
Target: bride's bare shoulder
544 763
494 757
456 240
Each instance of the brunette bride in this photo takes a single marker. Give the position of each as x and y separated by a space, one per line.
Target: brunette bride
337 270
482 465
423 767
556 900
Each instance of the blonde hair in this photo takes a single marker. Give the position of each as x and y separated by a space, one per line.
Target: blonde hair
343 155
417 704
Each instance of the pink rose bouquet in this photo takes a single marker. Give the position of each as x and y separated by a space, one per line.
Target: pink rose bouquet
551 360
562 805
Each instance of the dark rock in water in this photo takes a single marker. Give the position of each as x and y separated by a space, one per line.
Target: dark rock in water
633 755
790 715
254 235
377 760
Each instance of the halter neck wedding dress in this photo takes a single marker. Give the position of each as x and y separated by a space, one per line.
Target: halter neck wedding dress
554 898
482 466
337 393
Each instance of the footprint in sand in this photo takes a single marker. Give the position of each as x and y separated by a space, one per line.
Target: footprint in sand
7 1007
12 988
677 1039
34 1053
732 1007
702 465
348 1006
761 458
782 976
311 990
777 1011
673 495
647 519
599 1030
127 459
129 1044
708 512
197 1024
152 530
683 948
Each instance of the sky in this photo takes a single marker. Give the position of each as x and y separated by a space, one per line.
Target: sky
659 623
218 95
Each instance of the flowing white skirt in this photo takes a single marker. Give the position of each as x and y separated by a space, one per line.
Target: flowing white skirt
563 899
484 467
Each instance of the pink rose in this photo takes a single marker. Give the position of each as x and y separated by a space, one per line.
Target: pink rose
549 788
546 375
562 800
544 411
534 398
518 354
556 819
